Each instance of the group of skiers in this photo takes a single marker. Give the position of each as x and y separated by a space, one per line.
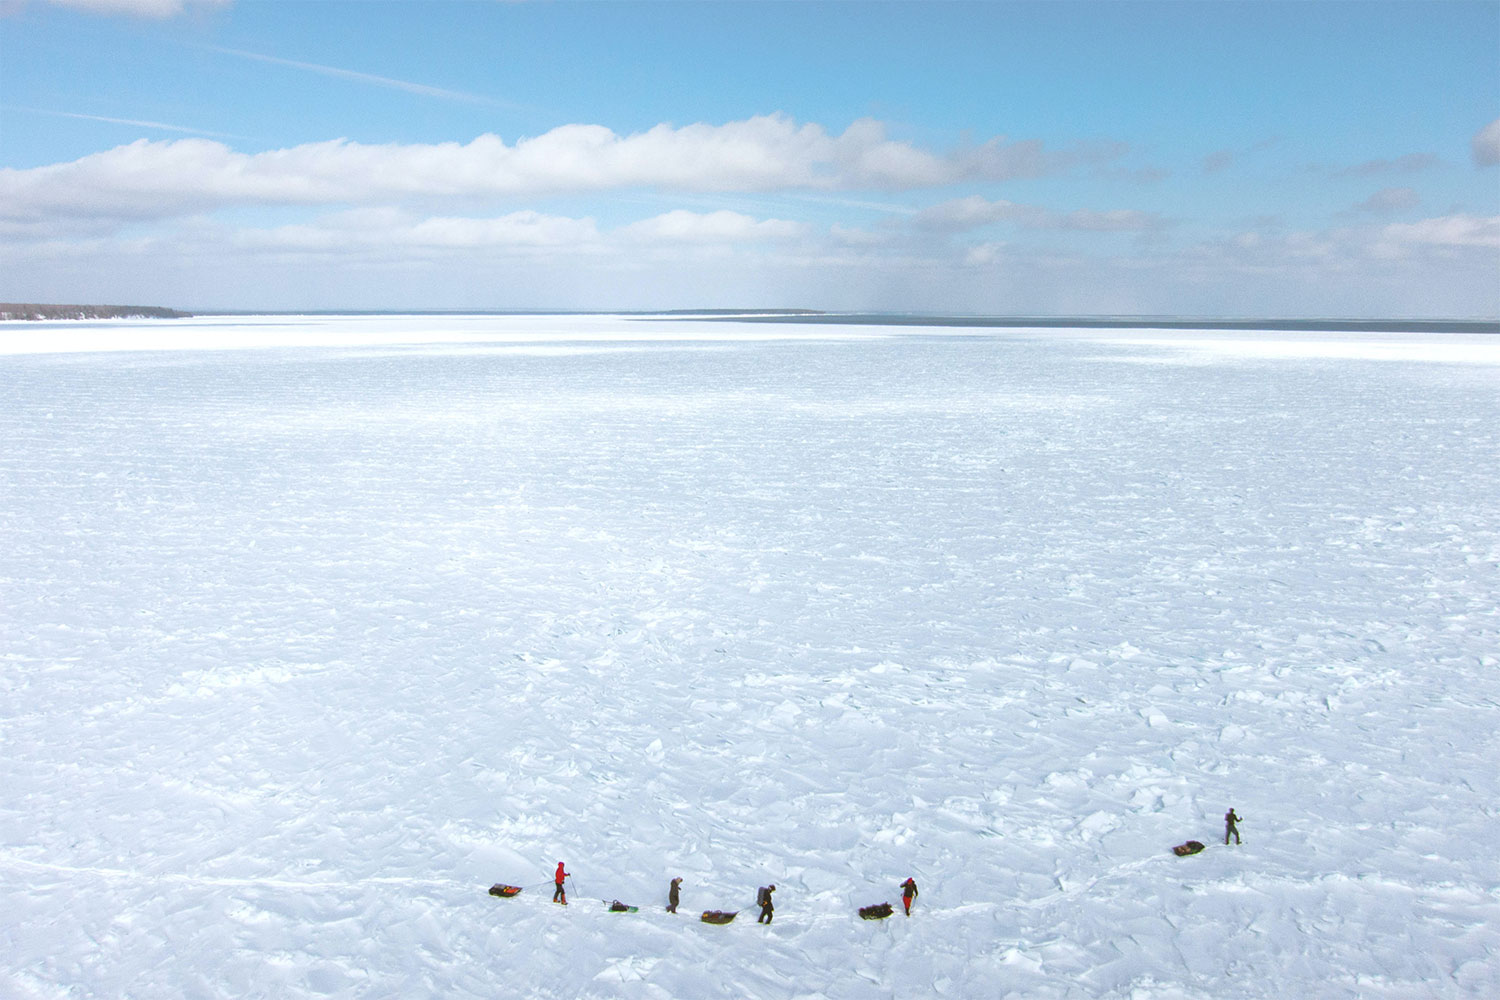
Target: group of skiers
762 895
768 908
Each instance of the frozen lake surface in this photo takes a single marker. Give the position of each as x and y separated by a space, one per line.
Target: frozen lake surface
313 628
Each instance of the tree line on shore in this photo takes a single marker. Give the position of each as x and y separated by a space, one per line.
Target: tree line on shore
36 311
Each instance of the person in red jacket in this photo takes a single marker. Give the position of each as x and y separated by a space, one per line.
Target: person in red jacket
908 893
558 894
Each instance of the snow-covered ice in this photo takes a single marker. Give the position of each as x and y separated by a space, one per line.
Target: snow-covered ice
313 628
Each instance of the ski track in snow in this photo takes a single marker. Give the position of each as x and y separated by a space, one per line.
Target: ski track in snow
314 628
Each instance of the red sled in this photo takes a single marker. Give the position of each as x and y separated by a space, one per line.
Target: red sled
504 891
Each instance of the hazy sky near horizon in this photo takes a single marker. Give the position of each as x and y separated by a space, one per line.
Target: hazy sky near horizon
1201 158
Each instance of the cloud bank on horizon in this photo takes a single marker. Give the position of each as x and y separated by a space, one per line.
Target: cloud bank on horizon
1088 204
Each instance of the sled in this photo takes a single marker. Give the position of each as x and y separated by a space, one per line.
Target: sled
718 916
1191 847
618 907
877 912
504 891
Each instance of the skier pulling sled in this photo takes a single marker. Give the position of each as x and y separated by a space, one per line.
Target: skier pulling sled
766 904
908 893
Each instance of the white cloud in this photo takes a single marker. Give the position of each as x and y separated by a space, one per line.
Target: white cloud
713 227
389 232
1217 161
855 236
1445 231
1455 248
519 229
383 257
138 8
1118 220
1411 163
985 255
1486 145
147 179
1221 160
975 211
972 212
1388 200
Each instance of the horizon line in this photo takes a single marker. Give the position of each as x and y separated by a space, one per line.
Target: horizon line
873 317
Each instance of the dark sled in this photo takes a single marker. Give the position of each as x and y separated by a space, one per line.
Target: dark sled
1191 847
504 891
718 916
618 907
877 912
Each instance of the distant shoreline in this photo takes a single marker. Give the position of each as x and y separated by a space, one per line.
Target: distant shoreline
1273 324
1277 325
34 312
40 312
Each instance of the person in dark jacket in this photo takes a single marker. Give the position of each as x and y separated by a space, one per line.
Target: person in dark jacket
559 895
1229 820
908 893
673 894
766 908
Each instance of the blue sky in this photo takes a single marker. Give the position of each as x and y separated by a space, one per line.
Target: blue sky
1202 158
